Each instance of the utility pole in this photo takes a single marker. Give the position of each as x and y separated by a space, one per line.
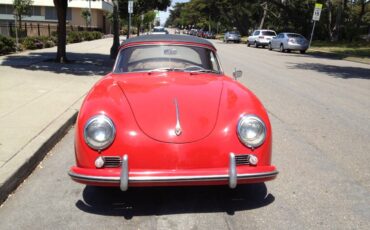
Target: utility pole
130 11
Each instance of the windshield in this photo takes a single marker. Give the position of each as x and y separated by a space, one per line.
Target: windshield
234 33
268 33
151 58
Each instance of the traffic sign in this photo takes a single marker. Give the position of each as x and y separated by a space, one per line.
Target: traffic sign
317 12
130 7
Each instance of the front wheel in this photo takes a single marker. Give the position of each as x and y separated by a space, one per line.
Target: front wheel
255 44
270 47
248 44
303 51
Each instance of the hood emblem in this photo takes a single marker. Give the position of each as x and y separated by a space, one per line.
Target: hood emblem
178 129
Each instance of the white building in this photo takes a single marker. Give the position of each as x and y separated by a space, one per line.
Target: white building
43 12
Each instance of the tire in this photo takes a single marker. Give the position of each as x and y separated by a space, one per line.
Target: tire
288 51
282 48
263 46
270 47
302 51
248 44
255 44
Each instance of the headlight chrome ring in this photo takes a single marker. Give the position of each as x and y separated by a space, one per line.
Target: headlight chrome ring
99 132
251 131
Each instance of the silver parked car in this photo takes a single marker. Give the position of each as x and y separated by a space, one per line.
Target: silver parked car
233 36
260 38
289 41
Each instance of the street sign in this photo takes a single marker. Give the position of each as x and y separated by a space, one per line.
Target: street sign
317 12
130 7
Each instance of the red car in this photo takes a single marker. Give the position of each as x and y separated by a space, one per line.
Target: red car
167 115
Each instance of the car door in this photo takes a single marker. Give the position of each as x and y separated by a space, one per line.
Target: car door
275 41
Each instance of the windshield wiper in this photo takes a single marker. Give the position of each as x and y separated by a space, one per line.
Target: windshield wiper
204 71
166 70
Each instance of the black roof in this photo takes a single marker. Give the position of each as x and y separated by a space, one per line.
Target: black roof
167 37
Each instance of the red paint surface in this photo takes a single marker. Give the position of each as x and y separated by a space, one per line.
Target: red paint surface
142 109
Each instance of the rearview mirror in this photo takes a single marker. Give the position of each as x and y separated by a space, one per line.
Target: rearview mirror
237 74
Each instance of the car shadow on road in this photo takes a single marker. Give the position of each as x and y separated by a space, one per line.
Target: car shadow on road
173 200
86 64
345 72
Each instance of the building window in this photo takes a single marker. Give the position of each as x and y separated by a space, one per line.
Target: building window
36 11
51 13
6 9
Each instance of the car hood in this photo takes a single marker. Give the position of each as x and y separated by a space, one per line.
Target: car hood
162 102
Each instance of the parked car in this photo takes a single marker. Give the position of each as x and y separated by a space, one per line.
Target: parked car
233 36
289 41
167 115
209 35
261 38
193 32
159 30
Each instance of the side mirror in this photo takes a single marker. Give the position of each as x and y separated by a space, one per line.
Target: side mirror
237 74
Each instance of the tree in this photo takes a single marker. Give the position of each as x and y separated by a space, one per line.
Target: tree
22 8
61 8
85 14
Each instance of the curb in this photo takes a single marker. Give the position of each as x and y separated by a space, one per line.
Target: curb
37 150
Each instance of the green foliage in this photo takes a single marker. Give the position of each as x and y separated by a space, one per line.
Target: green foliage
7 45
96 35
85 14
22 8
340 19
74 37
87 36
32 43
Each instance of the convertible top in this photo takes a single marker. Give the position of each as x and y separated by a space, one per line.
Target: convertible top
167 37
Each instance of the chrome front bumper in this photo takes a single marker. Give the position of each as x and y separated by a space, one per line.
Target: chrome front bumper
124 178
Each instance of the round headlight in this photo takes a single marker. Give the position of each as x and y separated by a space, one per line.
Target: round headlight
251 131
99 132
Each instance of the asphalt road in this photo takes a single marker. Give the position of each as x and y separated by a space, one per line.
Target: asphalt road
320 113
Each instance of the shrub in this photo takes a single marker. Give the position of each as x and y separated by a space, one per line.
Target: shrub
7 45
74 37
97 35
87 36
32 43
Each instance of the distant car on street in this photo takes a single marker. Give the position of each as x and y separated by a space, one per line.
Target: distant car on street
261 38
289 41
159 30
233 36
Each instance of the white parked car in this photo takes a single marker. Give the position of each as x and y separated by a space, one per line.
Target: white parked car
159 30
261 38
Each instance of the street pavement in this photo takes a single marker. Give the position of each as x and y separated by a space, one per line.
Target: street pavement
39 100
320 114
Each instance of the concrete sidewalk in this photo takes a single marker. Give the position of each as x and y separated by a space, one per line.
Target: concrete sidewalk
39 100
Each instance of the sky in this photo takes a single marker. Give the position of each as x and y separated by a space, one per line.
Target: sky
163 15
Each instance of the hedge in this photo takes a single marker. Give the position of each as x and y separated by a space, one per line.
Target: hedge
7 45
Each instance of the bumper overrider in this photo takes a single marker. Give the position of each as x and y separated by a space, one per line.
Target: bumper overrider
230 175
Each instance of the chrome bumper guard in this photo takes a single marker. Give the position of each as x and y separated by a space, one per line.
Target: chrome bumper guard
124 179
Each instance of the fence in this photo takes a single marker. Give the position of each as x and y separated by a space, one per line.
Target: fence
38 29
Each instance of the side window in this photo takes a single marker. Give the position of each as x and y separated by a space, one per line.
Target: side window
256 33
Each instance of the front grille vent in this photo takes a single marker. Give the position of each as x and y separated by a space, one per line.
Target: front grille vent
242 159
112 162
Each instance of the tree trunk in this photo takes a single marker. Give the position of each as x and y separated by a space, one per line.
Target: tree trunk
115 45
338 22
61 8
19 21
329 26
264 14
